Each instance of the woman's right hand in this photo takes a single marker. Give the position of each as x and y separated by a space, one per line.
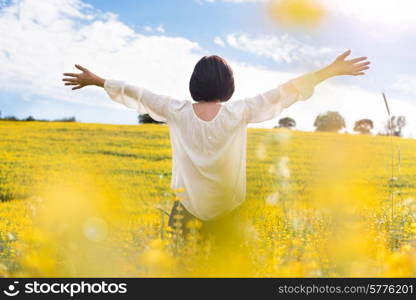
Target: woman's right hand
82 79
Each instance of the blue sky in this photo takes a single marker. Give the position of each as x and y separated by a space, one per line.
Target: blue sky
156 43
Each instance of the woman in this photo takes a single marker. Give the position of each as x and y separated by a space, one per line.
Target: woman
209 137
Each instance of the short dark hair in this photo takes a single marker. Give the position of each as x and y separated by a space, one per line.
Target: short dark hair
212 80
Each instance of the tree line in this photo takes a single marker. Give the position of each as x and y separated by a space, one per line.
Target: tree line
330 121
31 118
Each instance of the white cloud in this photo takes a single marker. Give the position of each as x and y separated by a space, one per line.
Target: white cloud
41 39
218 41
160 29
406 85
279 48
393 16
148 28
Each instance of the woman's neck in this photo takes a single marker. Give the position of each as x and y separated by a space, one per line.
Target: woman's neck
206 110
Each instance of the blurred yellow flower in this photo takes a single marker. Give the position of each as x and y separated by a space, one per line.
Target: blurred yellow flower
297 13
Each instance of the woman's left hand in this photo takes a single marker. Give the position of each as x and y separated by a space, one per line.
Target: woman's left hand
354 67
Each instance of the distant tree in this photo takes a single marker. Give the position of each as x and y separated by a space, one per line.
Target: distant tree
329 121
287 123
147 119
363 126
394 125
30 118
68 119
10 118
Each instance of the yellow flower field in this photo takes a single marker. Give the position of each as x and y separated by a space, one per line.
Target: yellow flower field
92 200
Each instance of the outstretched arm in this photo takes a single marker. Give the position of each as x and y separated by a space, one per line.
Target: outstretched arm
270 104
134 97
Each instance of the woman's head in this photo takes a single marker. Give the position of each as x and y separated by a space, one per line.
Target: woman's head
212 80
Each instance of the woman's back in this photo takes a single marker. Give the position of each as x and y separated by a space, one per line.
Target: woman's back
208 158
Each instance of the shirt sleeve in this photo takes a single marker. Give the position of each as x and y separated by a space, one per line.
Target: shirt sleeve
270 104
139 99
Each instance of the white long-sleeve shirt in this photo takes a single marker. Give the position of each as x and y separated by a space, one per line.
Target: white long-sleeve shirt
209 157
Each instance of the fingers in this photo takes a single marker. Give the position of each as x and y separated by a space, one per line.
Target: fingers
71 74
72 82
81 68
76 84
363 64
358 59
75 74
70 79
344 55
362 69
